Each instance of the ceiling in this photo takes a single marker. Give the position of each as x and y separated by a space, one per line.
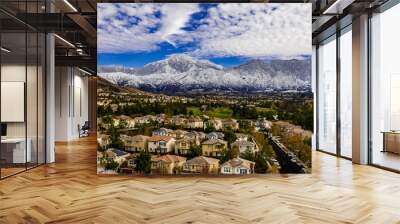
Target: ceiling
74 21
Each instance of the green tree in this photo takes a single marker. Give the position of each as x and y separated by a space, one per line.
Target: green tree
115 140
268 152
122 124
107 120
209 129
194 151
228 154
99 148
230 136
261 164
110 164
248 154
143 162
233 153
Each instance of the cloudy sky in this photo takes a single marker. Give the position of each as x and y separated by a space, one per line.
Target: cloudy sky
133 34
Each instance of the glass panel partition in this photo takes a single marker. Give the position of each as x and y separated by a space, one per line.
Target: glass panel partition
385 89
327 96
22 77
13 92
346 93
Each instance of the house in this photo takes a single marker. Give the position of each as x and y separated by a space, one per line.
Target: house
131 161
150 117
167 164
103 140
230 124
130 123
114 107
99 157
246 124
241 137
135 143
237 166
160 118
202 165
194 123
213 123
213 147
196 136
177 133
141 120
161 144
117 155
129 165
183 145
162 132
102 124
263 124
215 135
178 120
245 145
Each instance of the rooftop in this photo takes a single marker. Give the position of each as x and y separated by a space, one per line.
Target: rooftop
169 158
202 160
159 138
214 141
239 162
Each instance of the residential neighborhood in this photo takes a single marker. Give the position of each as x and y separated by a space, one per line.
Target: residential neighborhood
177 145
232 135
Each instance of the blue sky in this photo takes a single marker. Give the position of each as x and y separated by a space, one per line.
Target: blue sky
134 34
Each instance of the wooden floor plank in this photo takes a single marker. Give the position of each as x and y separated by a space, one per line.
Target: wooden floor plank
69 191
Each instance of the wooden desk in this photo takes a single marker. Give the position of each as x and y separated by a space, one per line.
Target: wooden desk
13 150
391 141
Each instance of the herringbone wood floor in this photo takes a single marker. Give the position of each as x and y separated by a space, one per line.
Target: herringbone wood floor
69 191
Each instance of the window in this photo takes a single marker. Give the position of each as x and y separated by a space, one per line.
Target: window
385 89
23 73
227 169
346 93
327 96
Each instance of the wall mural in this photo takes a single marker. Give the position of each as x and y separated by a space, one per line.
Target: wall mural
204 89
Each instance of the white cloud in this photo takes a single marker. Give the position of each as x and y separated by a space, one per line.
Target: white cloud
248 29
174 17
256 30
134 27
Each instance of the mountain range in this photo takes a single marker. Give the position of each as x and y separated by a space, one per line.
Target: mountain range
182 74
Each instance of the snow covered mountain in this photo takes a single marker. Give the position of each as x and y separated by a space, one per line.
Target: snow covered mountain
180 74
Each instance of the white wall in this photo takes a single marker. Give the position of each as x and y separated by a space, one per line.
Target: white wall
12 73
71 102
33 126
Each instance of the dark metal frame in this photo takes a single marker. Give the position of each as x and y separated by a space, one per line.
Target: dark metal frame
338 98
316 100
369 70
339 32
37 164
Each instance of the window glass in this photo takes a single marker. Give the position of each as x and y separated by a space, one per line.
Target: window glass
385 89
346 94
327 96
